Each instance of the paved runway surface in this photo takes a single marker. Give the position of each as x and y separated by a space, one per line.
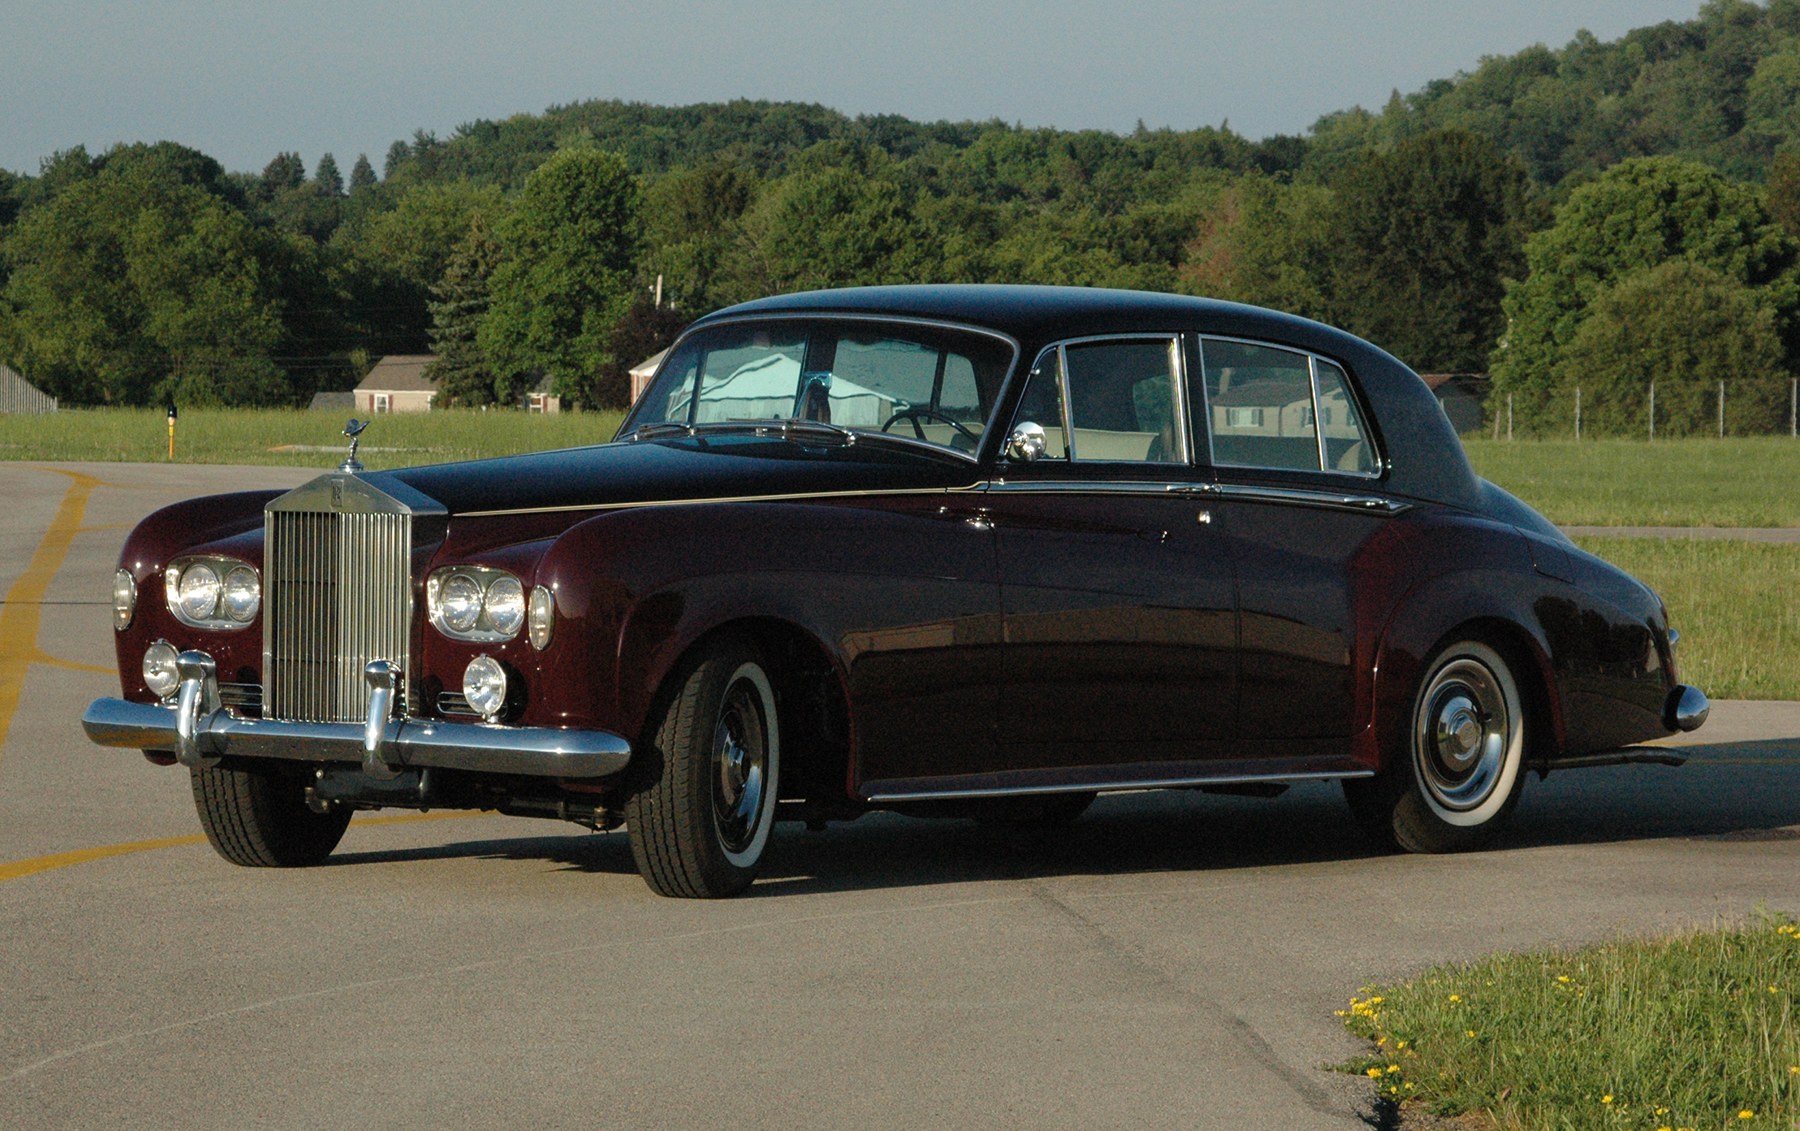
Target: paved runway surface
1172 960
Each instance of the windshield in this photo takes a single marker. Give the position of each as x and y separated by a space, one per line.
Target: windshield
929 383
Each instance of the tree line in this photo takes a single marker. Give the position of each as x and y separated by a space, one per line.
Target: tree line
1603 215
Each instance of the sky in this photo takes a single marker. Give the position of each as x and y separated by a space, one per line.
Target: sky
244 81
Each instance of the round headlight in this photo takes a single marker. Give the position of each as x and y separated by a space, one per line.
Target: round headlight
242 595
124 599
484 686
199 591
460 601
541 617
506 605
160 675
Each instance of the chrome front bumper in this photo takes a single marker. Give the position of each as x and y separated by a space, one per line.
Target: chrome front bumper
200 732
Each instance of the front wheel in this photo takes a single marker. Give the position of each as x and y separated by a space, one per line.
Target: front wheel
1464 759
701 815
260 819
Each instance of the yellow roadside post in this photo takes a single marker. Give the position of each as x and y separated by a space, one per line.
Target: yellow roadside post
171 431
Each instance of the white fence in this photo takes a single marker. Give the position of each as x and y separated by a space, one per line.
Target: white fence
20 396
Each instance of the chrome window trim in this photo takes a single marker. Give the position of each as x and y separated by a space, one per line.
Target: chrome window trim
1379 460
1299 496
1178 372
850 316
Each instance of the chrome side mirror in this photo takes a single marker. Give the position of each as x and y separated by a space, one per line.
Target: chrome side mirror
1026 444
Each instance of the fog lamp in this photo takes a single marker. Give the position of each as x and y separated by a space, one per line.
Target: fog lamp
160 675
484 686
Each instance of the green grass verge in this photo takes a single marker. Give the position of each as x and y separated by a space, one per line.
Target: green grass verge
1697 482
293 437
1695 1031
1734 603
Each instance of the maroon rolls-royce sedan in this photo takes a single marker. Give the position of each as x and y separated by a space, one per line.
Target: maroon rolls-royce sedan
982 550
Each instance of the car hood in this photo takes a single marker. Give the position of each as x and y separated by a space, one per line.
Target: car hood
664 470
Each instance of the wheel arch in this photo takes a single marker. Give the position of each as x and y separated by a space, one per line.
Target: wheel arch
1471 610
809 694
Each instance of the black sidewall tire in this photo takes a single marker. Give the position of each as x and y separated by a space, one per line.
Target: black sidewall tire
260 819
674 828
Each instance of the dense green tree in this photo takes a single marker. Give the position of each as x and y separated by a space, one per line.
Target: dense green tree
283 173
1266 243
1424 235
398 154
831 224
690 222
570 245
1782 193
327 177
1638 215
1685 328
136 284
392 258
459 301
362 175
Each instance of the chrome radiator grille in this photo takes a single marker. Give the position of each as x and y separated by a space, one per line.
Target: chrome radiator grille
338 592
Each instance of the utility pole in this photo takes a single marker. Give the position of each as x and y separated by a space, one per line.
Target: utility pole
1721 410
1578 412
1653 410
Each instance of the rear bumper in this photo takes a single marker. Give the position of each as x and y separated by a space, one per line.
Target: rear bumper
1686 708
199 732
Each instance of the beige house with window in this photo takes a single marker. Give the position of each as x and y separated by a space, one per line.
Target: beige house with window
397 384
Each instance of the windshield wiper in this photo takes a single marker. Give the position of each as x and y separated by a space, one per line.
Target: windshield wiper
787 429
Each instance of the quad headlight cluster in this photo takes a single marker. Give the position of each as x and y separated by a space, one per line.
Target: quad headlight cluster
487 606
206 592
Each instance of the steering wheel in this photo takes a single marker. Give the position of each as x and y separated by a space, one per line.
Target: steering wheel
919 413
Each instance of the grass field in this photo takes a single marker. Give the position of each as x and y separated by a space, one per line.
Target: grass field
293 436
1737 605
1698 482
1696 1031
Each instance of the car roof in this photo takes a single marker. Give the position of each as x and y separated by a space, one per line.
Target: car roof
1032 313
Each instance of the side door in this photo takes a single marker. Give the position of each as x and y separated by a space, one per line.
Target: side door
1301 507
1117 593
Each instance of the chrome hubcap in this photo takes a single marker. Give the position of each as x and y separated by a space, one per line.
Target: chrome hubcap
740 762
1462 733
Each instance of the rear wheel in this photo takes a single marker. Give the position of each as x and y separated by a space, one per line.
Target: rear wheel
1462 772
701 817
260 819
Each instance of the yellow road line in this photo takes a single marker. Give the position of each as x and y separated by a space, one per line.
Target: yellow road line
50 661
20 614
19 868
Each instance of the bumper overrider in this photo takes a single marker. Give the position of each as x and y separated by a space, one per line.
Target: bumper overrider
200 732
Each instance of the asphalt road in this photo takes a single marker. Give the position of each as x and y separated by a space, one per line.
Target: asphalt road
1172 960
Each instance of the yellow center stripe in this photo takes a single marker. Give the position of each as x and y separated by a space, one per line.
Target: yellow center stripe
19 868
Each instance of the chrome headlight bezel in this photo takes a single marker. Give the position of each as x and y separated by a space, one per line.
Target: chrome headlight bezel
495 597
194 587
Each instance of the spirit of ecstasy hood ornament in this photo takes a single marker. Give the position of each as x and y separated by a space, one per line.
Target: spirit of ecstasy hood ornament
353 430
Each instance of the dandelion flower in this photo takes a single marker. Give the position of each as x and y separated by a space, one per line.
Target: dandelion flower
1455 997
1470 1033
1373 1073
1563 978
1746 1114
1607 1098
